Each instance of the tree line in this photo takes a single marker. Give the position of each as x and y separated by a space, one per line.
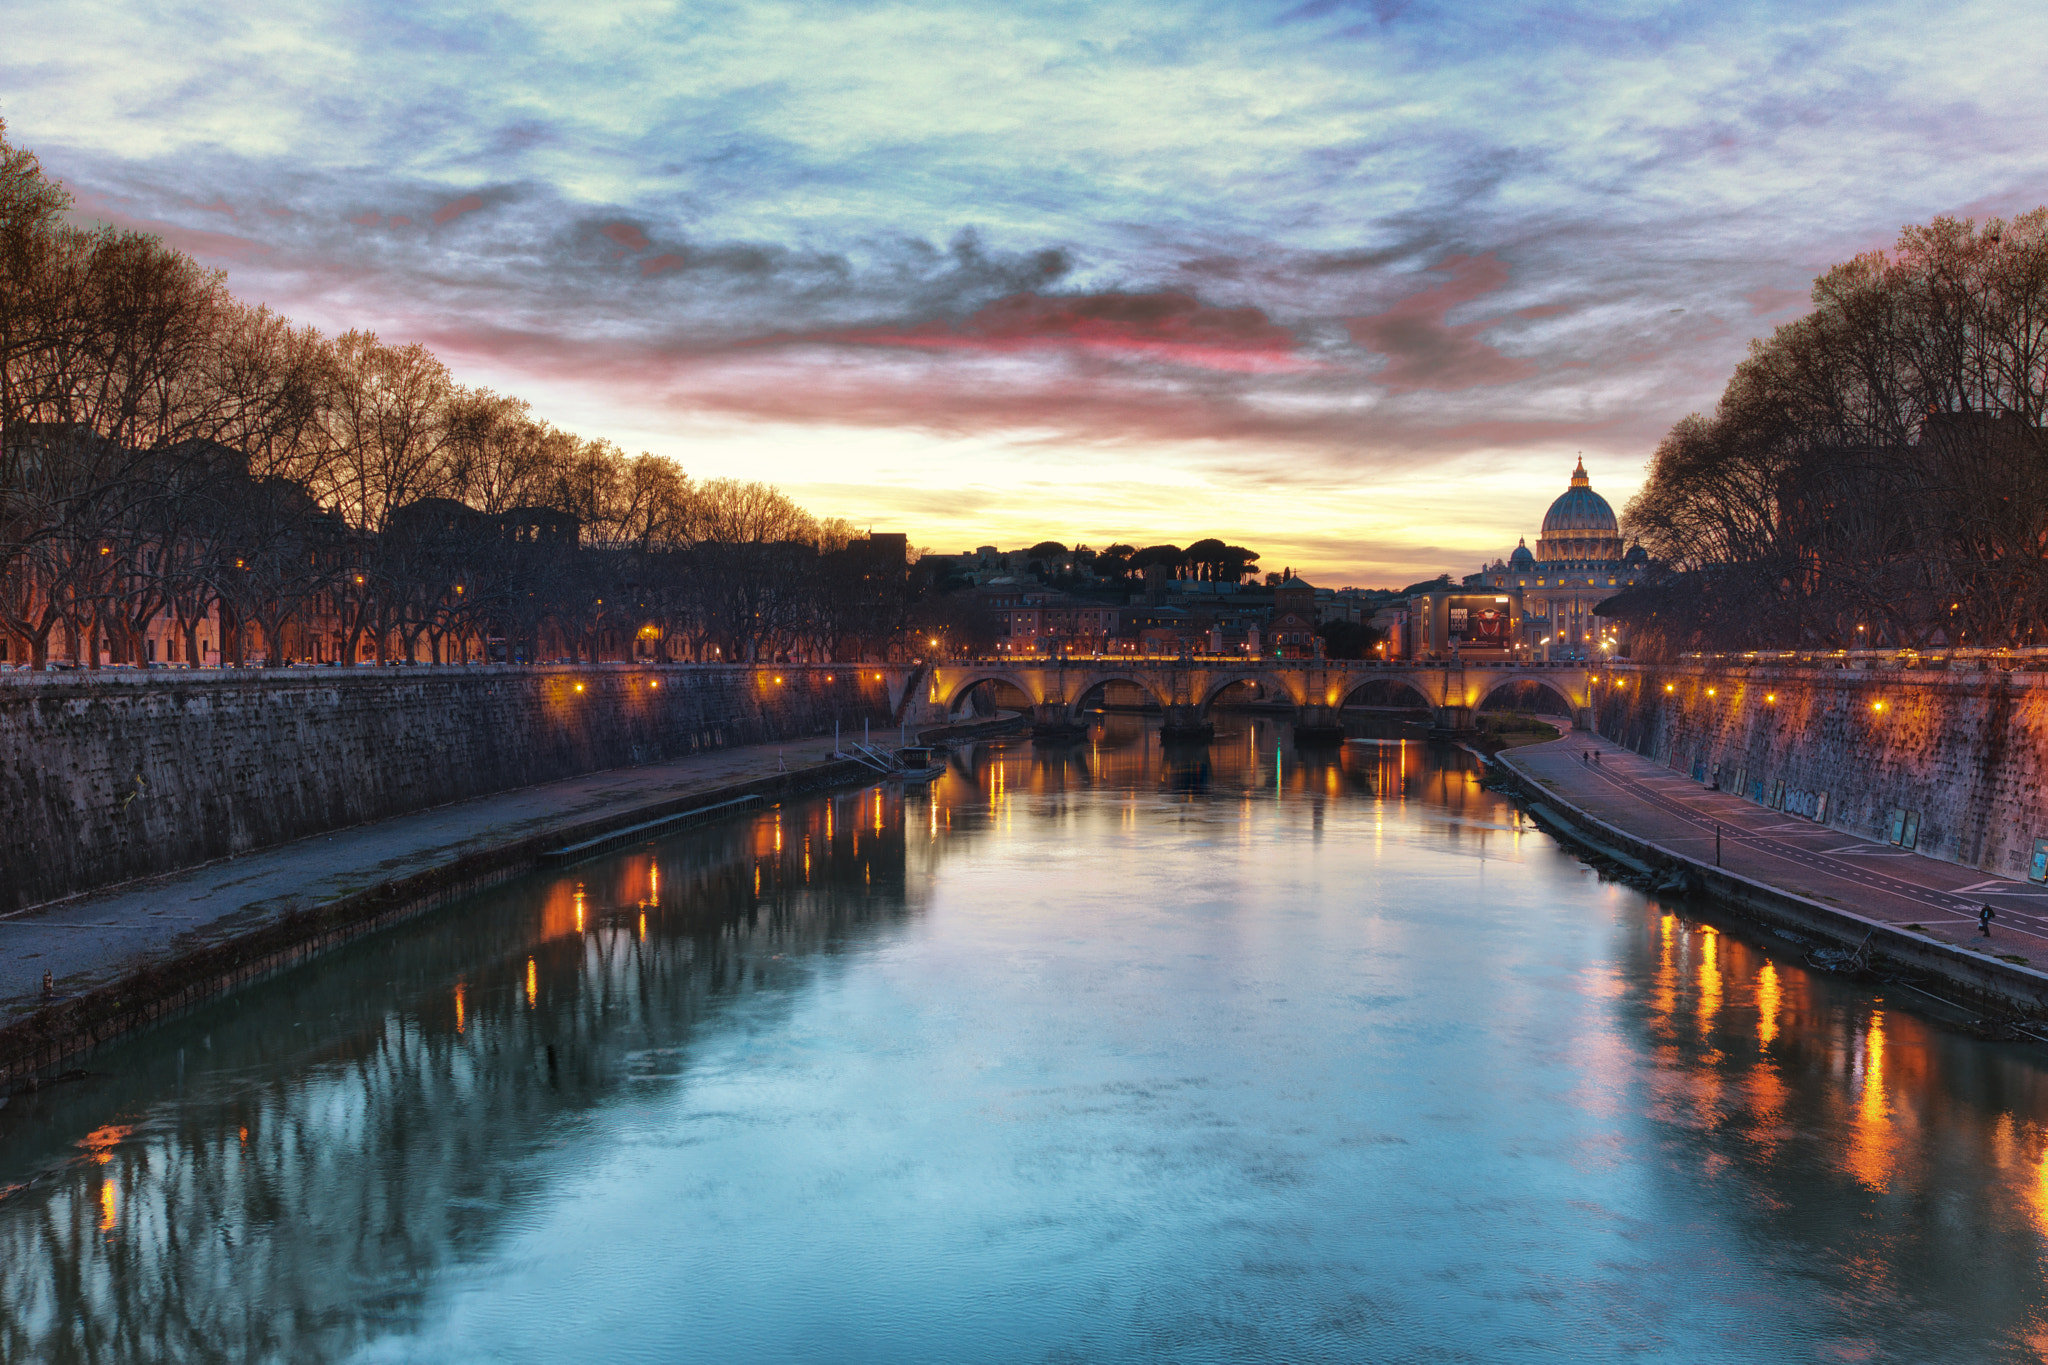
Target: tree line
1875 472
167 451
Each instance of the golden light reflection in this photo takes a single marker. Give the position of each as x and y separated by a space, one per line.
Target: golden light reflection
109 1210
460 1017
643 926
1869 1157
1769 1000
532 983
100 1142
1664 983
1710 977
2037 1192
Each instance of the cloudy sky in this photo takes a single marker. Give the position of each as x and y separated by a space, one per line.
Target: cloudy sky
1348 281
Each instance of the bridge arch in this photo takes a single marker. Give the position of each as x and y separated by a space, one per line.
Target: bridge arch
1093 682
954 691
1390 690
1558 688
1271 685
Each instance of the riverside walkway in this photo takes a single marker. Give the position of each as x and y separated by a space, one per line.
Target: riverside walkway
89 941
1820 862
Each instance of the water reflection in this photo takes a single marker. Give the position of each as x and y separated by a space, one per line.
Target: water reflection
1109 1050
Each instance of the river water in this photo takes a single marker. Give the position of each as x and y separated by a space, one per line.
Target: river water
1093 1053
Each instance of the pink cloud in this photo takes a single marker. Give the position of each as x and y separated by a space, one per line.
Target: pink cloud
924 388
667 260
400 220
626 235
1424 351
1172 327
455 208
370 219
1766 301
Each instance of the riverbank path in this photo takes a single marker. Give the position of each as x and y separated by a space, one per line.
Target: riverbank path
90 940
1821 862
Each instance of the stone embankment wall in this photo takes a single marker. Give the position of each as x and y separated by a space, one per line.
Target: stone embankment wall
107 778
1965 752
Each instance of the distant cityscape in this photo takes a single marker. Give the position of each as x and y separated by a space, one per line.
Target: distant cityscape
1211 599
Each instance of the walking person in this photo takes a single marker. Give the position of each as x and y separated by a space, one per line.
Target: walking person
1985 914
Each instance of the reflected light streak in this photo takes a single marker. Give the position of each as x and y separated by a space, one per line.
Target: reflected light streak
1869 1157
2037 1192
1710 977
102 1141
109 1210
1769 1000
460 1015
1664 985
532 983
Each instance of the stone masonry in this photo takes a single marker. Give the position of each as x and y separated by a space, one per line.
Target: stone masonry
1966 753
104 778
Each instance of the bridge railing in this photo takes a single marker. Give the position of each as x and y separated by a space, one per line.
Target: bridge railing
2024 658
1240 661
133 674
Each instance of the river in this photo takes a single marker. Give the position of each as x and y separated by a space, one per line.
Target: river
1099 1052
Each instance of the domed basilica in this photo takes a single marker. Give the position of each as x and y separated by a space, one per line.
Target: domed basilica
1579 562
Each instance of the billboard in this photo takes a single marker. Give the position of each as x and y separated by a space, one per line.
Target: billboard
1481 623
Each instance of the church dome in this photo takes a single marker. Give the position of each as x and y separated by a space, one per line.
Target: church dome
1521 558
1579 525
1580 511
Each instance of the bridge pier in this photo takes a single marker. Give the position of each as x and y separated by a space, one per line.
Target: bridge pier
1186 722
1318 725
1453 722
1050 720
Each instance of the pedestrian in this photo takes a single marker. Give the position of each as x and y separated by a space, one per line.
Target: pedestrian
1985 914
1596 758
49 986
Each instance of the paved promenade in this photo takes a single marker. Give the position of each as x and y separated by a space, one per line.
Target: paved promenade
1820 862
91 940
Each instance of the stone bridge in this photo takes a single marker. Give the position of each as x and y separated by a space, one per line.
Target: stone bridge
1185 689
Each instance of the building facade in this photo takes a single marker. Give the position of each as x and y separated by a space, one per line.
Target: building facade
1579 562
